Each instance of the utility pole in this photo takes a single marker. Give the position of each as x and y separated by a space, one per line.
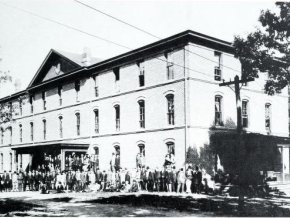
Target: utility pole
237 83
237 90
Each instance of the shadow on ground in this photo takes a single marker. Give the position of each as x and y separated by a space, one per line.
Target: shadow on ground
217 205
10 205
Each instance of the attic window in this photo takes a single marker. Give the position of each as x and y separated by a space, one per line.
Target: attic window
57 68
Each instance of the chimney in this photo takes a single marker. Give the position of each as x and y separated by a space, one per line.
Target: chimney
86 57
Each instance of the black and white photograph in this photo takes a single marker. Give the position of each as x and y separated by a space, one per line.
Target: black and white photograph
145 108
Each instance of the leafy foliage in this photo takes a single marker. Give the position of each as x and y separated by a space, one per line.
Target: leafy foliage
268 49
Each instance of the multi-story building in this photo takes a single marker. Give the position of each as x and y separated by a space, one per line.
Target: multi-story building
160 98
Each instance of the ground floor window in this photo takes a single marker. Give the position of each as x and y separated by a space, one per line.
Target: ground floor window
140 158
170 156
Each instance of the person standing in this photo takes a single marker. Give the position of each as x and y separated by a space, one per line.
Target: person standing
113 161
20 181
180 180
174 179
157 179
14 182
189 177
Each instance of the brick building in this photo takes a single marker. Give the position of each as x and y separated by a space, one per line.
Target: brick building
163 97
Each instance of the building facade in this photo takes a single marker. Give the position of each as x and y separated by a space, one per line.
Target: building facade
158 99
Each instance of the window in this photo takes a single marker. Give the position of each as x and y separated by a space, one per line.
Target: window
217 69
117 117
60 127
11 157
77 88
170 148
96 80
96 156
31 98
245 116
170 70
1 162
78 119
141 113
96 112
20 133
10 130
20 107
43 94
141 149
142 73
117 78
170 108
268 117
31 131
218 111
44 129
2 136
60 95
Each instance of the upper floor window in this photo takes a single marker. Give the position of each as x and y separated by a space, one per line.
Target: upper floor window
268 117
245 114
217 69
117 117
1 162
44 129
117 78
31 100
96 112
20 133
78 120
218 111
2 136
60 127
31 131
20 107
96 81
141 73
169 61
141 113
77 88
170 108
60 90
44 99
11 132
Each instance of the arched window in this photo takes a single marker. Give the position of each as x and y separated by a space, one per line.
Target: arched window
141 113
170 148
140 158
31 131
170 108
60 119
96 160
44 129
78 123
117 117
117 157
245 113
218 111
96 113
20 132
268 113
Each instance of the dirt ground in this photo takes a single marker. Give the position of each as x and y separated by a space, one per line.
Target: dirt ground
139 204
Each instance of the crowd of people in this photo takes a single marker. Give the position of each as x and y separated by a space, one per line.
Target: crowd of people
83 175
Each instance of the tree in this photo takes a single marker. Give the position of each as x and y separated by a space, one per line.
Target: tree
268 49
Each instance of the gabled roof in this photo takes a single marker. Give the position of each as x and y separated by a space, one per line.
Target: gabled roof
67 61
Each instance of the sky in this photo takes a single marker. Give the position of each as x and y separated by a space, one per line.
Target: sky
25 39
